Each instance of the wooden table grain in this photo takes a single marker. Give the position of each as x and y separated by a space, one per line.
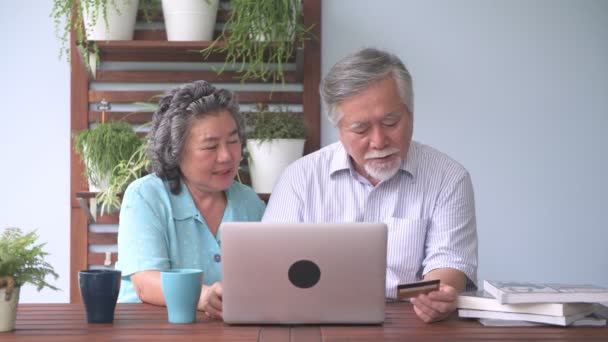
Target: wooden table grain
143 322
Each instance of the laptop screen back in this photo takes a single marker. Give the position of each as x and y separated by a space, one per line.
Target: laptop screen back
303 273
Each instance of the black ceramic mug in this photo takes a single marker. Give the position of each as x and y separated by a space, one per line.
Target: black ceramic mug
99 291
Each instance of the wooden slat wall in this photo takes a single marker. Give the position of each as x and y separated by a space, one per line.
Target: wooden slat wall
312 71
79 104
177 76
130 117
102 238
98 258
127 85
129 96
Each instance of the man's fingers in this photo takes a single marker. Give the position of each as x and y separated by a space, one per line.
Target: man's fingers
445 293
433 310
422 314
437 305
423 304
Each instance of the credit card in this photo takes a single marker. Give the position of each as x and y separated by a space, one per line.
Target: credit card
414 289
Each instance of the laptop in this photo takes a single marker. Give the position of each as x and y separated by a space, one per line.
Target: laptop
303 273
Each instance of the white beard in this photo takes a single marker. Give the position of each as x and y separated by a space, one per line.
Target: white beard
382 170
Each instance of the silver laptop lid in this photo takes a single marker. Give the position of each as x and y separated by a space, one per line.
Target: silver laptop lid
303 273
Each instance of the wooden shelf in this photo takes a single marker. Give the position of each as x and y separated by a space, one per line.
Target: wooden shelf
86 201
156 51
178 76
144 50
134 82
117 96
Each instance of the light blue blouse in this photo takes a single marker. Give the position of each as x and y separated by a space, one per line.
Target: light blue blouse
159 230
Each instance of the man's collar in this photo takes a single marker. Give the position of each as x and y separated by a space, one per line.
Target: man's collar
410 164
341 160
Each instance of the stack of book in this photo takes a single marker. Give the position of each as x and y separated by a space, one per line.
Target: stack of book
527 304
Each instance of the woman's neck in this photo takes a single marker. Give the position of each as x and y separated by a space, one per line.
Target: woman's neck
205 200
211 205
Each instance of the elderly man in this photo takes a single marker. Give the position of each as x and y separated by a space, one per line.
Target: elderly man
376 173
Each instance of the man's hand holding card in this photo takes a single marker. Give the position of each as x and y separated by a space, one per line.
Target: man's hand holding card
410 290
432 301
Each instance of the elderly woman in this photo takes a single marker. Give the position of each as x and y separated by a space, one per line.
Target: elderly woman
171 217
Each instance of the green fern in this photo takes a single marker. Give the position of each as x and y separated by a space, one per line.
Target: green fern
23 259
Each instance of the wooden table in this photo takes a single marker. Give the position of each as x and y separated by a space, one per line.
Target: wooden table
143 322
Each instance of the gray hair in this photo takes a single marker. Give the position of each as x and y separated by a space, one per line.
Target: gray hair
172 120
359 70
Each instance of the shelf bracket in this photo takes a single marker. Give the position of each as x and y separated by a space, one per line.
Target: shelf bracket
83 204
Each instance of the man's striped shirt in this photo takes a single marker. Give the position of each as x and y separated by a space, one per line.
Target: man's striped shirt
428 206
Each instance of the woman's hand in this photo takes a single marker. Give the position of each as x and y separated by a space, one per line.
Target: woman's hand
210 301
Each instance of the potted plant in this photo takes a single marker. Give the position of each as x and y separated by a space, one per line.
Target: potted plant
261 36
103 147
275 140
94 20
21 262
122 175
190 20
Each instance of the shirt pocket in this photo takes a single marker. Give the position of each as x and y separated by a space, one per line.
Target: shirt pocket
405 247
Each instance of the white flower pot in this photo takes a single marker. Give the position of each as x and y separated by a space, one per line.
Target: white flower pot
97 182
258 35
269 158
190 20
101 184
121 21
8 310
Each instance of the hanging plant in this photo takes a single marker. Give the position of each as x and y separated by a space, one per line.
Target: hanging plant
122 175
259 37
105 146
65 22
81 16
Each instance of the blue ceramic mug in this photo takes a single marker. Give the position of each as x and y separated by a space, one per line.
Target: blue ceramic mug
99 291
181 289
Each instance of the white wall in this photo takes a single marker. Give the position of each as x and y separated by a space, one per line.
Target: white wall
34 136
517 91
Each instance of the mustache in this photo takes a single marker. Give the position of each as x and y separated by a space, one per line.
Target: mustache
381 153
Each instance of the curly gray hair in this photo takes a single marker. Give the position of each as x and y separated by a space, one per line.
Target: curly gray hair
356 72
172 120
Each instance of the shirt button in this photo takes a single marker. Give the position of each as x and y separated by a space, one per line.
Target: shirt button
217 258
